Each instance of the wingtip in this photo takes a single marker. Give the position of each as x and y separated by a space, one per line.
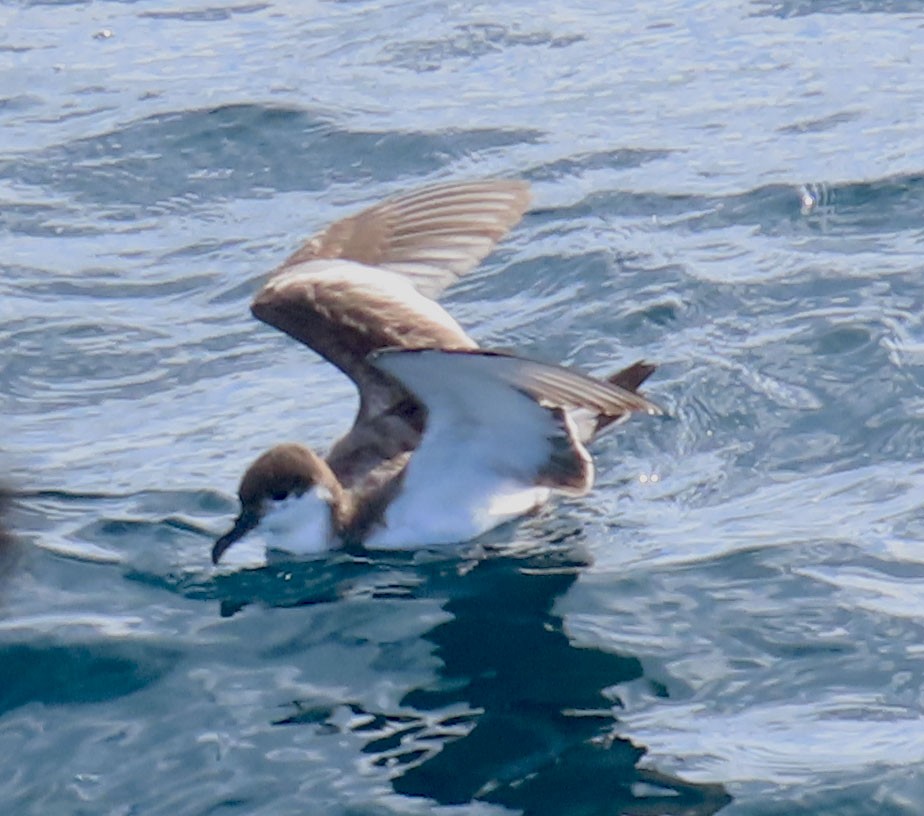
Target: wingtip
523 193
521 186
649 406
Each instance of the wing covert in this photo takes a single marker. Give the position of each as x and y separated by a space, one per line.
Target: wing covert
431 236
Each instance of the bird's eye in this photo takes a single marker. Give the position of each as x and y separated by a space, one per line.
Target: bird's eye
279 495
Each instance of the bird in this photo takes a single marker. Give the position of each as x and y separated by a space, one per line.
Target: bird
450 440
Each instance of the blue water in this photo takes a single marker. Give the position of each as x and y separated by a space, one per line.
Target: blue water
731 622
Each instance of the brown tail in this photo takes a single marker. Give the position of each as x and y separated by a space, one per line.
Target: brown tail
632 377
629 378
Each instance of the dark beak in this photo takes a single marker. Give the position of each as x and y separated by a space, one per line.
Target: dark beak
244 523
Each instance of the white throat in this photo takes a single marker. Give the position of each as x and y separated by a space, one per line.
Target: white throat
300 524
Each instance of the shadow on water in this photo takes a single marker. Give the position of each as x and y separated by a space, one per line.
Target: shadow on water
70 663
543 738
517 715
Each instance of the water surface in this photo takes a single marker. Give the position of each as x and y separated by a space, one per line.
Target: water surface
731 622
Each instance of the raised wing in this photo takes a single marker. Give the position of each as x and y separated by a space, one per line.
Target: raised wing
365 283
431 236
498 413
346 311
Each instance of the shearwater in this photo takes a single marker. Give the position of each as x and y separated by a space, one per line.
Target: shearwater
449 440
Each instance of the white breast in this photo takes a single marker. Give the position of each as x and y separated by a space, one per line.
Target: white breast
299 524
453 507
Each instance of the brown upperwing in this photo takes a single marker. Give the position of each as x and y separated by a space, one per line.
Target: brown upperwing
345 321
430 237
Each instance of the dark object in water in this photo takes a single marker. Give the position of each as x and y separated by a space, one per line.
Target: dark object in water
8 548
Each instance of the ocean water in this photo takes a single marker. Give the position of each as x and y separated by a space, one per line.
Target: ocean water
732 622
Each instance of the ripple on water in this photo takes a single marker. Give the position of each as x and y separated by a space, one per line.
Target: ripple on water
750 617
200 155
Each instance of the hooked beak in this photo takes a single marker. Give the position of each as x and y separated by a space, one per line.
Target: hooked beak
243 524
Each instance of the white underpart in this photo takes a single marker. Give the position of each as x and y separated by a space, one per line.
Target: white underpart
300 524
376 282
476 467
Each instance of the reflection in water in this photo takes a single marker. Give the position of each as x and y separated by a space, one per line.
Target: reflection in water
517 715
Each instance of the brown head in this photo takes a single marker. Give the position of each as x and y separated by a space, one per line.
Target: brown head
283 472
